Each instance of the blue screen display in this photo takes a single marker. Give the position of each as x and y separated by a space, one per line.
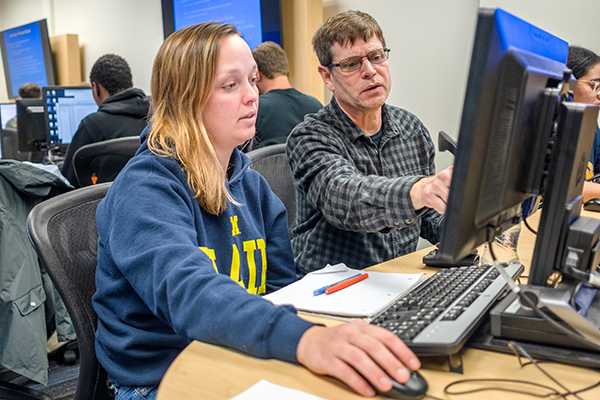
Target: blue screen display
25 55
243 14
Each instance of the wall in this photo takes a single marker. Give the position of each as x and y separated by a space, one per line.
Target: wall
129 28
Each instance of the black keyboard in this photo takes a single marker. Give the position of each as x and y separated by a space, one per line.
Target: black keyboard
438 317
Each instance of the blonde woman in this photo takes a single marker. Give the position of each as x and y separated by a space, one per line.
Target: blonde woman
189 237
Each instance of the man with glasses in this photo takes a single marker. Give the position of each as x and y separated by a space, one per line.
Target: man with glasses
364 171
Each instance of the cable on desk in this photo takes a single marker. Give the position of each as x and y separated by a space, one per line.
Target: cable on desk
518 350
552 391
529 226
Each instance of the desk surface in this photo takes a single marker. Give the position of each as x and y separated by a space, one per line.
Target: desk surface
213 372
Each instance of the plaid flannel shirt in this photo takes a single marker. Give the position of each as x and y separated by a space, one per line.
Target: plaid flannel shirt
353 199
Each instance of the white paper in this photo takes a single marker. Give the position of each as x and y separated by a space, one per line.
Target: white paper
364 299
265 390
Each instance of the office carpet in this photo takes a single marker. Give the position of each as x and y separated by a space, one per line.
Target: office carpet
62 381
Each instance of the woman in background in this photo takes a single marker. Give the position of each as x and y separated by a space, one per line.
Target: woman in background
189 236
585 66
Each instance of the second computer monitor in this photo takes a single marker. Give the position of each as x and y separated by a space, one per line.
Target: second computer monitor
8 111
66 106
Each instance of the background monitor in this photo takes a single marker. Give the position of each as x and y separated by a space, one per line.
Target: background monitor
506 127
31 125
26 56
8 111
66 106
257 20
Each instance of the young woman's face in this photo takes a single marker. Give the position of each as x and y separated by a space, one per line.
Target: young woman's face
585 92
229 114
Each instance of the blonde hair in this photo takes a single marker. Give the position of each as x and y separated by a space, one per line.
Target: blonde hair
182 78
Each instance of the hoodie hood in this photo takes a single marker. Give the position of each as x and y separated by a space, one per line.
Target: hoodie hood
132 102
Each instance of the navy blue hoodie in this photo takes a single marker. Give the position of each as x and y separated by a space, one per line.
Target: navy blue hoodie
169 272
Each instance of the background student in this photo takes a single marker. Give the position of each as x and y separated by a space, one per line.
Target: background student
585 65
122 109
281 107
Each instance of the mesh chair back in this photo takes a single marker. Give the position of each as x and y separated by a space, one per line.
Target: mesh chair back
64 235
271 162
102 161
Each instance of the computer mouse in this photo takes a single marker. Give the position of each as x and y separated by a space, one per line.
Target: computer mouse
592 205
414 388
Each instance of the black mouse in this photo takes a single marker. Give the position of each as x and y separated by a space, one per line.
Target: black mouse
592 205
414 388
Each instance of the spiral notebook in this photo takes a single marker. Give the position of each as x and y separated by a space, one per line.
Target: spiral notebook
363 300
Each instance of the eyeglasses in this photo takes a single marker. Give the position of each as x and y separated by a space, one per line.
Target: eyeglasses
595 85
353 63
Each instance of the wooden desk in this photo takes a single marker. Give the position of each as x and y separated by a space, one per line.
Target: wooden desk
215 373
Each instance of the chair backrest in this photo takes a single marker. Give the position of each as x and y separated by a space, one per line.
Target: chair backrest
103 160
64 235
271 162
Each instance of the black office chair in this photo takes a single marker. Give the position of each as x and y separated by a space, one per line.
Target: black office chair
271 162
64 235
101 162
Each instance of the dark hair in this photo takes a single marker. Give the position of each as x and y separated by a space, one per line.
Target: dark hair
112 72
580 60
271 60
30 90
346 27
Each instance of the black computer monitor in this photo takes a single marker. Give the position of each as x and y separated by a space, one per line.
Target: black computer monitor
66 106
521 135
31 125
27 56
511 101
257 20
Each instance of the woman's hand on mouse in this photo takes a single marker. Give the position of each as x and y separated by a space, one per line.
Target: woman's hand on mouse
350 350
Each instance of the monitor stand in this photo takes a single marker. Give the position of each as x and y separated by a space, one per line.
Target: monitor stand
512 320
53 155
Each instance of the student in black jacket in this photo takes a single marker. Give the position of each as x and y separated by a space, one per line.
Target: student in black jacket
122 109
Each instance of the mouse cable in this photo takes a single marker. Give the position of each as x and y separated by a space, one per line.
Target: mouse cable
551 391
529 226
518 350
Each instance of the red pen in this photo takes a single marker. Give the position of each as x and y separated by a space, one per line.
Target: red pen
345 284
